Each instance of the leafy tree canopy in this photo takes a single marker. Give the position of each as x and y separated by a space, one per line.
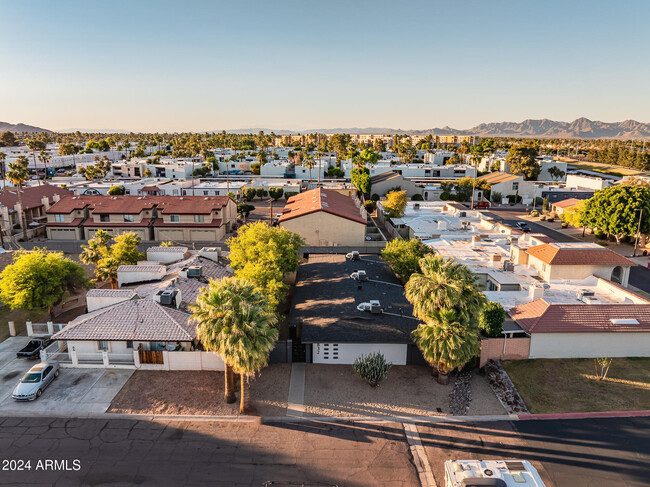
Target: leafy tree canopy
395 204
522 160
403 257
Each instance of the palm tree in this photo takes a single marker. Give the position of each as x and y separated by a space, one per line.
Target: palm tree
18 174
320 153
44 157
92 253
3 156
233 319
310 163
447 343
106 270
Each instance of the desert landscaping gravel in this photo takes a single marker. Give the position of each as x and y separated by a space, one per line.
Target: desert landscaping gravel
200 393
335 390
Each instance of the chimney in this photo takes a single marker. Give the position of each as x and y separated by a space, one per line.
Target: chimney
56 197
535 292
46 203
495 258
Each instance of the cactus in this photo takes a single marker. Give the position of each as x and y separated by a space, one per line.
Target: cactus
372 367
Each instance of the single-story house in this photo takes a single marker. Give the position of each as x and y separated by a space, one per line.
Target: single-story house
339 318
383 183
325 218
561 206
580 330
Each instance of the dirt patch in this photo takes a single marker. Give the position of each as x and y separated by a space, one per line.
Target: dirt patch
335 390
200 393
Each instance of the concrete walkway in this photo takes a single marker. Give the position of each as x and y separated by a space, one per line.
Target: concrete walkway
420 458
296 401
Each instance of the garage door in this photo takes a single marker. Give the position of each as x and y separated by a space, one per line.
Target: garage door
63 233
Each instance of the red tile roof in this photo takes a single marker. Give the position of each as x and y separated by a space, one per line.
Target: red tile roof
100 204
540 316
556 254
319 199
31 196
567 203
216 222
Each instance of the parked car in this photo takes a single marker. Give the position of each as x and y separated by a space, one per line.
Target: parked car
523 226
33 383
482 204
33 349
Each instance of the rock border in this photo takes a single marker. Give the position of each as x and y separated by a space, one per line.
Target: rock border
504 388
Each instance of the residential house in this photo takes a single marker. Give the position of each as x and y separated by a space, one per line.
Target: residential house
35 202
325 218
510 184
338 318
385 182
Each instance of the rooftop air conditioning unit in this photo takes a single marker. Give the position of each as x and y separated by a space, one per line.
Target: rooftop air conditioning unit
359 276
416 206
463 214
195 271
508 266
165 296
584 293
354 255
375 307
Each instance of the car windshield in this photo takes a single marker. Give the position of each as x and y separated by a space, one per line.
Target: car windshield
31 378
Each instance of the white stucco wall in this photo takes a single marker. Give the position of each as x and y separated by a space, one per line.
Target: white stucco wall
349 352
165 257
127 277
590 345
97 302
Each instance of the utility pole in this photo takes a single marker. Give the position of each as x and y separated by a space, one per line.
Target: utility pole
271 212
638 230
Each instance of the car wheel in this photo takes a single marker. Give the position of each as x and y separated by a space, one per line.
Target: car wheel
56 374
38 393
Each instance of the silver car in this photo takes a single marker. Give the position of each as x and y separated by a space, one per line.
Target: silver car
33 383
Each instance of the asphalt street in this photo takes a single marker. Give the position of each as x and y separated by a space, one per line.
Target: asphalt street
568 453
639 275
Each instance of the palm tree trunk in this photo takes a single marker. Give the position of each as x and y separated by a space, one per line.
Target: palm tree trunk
114 283
245 403
229 394
22 218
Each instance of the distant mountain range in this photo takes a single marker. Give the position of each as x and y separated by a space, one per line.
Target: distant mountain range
582 128
20 127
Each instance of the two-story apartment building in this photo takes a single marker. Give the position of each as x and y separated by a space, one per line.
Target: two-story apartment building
179 218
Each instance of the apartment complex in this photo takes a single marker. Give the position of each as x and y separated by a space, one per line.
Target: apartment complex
159 218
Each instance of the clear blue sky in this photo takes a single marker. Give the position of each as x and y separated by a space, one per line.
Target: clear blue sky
192 65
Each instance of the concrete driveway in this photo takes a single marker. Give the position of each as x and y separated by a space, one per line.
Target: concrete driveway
74 392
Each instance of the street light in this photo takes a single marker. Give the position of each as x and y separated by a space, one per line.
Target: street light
638 230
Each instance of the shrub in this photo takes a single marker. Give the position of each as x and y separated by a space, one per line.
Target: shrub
261 193
289 194
565 225
370 206
496 197
444 196
417 197
276 193
248 193
599 235
491 320
550 219
375 197
539 201
514 198
603 243
534 213
542 218
553 214
372 367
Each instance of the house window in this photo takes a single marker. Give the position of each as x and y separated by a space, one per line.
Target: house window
198 218
104 218
128 218
174 218
175 192
59 218
102 346
129 344
205 193
515 186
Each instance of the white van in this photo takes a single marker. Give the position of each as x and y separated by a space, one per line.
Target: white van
493 473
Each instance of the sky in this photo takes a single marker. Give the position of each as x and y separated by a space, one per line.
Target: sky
306 64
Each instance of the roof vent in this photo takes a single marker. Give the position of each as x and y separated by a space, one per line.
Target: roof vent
359 276
354 255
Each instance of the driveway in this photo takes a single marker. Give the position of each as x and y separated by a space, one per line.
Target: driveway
74 392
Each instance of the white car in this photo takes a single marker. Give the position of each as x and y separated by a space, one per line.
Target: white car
33 383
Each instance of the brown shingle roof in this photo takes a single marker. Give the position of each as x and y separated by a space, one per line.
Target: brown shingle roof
31 196
319 199
139 319
540 316
556 254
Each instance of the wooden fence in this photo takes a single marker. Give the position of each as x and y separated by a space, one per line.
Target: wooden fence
151 356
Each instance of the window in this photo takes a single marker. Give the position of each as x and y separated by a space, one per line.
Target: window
47 371
104 218
128 218
198 218
515 186
174 218
102 346
129 344
205 193
59 218
175 192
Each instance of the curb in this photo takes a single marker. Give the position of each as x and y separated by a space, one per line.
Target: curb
588 415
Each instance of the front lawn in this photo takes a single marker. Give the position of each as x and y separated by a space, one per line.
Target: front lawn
569 385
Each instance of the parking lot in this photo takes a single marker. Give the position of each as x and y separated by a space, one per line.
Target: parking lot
74 392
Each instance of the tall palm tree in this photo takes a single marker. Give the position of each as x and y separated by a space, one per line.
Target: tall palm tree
320 153
3 157
92 253
106 270
446 342
310 163
44 157
233 319
18 174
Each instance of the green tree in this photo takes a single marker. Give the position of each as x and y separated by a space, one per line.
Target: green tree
18 175
233 319
575 215
40 279
276 193
92 253
256 168
395 204
108 258
117 190
8 139
147 173
367 157
492 318
44 157
264 255
446 342
444 284
403 257
249 193
523 160
261 193
613 211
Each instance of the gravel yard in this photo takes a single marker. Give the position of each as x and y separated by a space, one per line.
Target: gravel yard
335 390
200 393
